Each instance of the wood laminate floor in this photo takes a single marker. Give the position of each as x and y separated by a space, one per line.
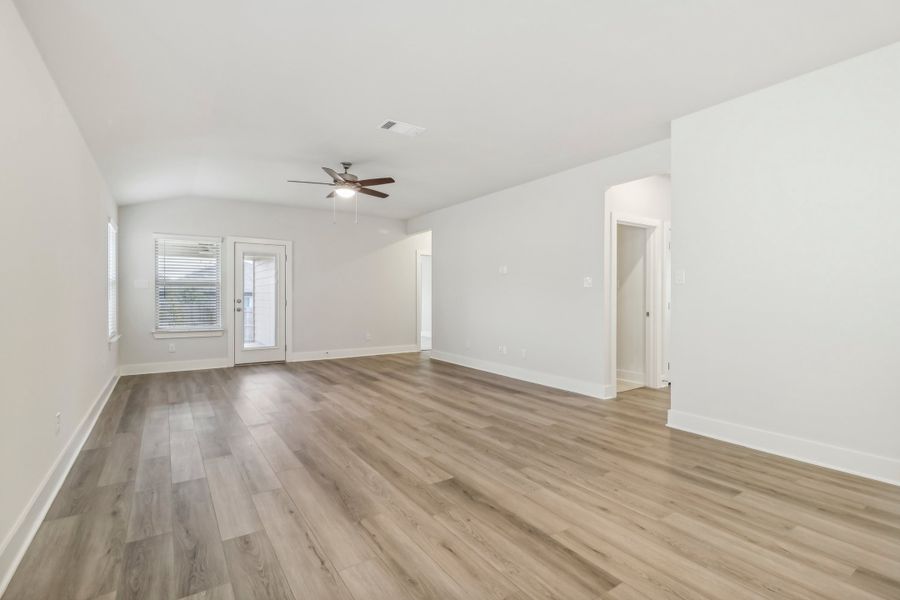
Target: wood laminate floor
396 477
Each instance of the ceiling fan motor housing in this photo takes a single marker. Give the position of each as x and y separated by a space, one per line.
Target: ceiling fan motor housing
346 174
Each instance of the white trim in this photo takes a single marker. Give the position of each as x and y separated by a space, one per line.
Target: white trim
188 333
26 526
112 282
419 332
351 352
228 297
579 386
174 366
666 324
872 466
653 290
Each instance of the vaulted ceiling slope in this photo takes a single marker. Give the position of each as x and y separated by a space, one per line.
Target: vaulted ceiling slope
231 98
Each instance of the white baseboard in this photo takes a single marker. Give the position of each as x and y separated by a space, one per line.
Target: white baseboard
872 466
173 366
351 352
579 386
26 526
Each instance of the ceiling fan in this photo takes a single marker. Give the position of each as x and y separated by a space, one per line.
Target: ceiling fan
347 185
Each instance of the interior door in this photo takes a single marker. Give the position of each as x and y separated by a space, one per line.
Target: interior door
259 303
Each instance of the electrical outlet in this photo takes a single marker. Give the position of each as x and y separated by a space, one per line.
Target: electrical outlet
524 353
588 282
502 349
368 336
503 270
172 348
58 422
468 344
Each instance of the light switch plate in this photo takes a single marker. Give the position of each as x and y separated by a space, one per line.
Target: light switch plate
588 282
679 276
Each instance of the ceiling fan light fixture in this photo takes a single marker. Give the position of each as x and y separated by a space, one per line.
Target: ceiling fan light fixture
345 192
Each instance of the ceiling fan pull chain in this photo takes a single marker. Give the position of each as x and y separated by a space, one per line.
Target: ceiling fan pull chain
334 210
356 210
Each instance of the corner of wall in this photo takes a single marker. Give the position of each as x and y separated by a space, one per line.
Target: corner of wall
26 526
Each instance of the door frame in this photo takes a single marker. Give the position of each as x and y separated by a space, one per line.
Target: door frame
665 364
653 290
230 333
419 255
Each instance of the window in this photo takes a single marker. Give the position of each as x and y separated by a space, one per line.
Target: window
188 284
112 282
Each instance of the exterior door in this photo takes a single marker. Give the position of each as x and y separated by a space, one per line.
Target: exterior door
259 303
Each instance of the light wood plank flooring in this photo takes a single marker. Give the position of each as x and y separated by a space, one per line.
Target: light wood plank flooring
396 477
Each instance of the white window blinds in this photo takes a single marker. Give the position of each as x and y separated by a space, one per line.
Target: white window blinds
112 281
188 284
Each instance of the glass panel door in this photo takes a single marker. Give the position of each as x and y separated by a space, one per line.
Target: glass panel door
259 303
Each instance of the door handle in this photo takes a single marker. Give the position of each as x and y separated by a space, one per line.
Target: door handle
238 309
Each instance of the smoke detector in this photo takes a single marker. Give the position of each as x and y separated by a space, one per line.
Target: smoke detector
407 129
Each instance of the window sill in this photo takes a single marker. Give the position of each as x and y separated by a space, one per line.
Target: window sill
200 333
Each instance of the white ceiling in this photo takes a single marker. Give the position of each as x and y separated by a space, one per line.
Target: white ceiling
229 98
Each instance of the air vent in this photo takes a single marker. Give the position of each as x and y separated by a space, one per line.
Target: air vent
402 128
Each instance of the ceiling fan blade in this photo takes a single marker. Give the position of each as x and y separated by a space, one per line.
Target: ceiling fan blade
377 181
312 182
331 195
375 193
334 174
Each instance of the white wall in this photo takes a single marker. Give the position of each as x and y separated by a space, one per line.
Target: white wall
348 279
786 222
549 235
630 303
649 197
54 356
